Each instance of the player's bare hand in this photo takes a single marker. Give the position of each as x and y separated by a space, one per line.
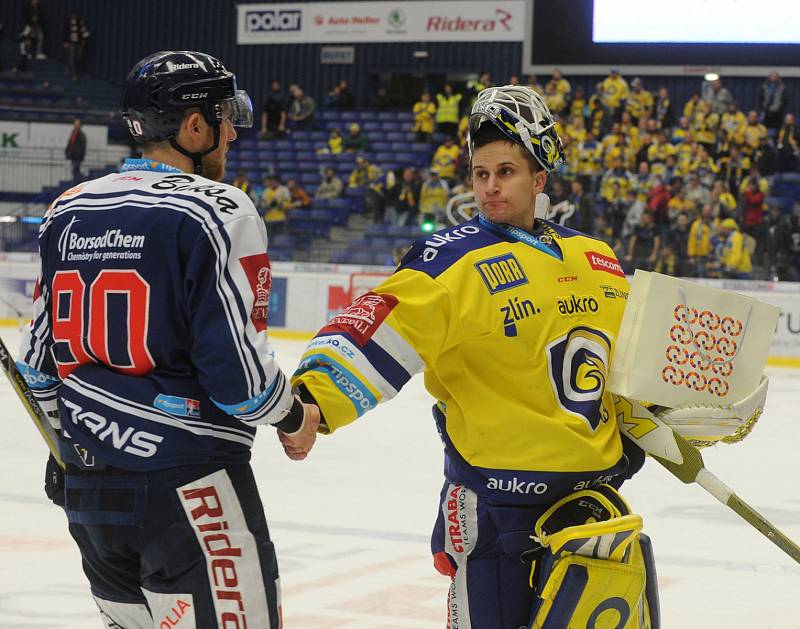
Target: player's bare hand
298 444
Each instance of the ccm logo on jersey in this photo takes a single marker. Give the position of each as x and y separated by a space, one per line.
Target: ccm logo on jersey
136 442
437 240
259 275
362 317
600 262
501 273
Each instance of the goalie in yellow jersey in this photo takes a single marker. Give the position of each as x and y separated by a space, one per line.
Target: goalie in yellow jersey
513 320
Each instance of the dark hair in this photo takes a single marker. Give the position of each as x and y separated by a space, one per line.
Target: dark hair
488 133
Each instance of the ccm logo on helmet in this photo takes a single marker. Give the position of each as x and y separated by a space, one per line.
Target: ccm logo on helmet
194 96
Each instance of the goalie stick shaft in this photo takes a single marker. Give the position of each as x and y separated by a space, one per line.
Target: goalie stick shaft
728 497
28 400
685 462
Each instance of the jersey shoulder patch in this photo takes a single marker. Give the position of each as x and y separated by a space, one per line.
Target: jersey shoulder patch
437 252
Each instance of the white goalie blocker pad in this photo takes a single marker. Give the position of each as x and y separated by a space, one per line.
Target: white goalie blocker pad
706 425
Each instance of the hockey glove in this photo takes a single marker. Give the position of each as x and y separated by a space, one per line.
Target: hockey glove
706 425
54 482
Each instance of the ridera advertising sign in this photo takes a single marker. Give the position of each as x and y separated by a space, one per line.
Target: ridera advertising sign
356 22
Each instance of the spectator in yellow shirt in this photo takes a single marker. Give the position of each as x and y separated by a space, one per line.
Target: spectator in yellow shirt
424 111
732 124
534 84
334 144
723 203
691 105
755 134
640 101
758 181
615 90
679 203
368 177
275 201
476 86
463 128
447 107
445 159
698 246
433 197
562 85
555 101
578 103
576 129
615 174
736 261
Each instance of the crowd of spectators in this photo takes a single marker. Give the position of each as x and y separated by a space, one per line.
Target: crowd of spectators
679 188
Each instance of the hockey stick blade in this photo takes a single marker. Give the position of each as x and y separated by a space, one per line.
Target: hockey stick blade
685 462
28 400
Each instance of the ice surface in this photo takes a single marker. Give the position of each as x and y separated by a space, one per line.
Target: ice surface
352 524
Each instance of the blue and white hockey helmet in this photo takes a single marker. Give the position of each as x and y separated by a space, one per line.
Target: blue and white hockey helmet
160 87
523 117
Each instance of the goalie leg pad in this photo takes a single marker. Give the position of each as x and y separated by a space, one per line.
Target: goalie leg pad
596 565
591 593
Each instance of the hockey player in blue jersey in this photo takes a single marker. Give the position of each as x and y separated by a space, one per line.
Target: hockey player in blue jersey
149 347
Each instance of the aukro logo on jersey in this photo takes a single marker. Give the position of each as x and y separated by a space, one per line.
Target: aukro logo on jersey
577 305
437 240
73 246
515 310
501 273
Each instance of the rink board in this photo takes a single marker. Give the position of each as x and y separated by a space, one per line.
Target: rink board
305 296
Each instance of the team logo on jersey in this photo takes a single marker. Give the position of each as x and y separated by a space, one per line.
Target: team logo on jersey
259 274
516 310
574 305
599 262
99 247
578 366
362 317
611 292
501 273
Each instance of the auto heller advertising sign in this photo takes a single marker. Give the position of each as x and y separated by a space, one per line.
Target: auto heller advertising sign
359 22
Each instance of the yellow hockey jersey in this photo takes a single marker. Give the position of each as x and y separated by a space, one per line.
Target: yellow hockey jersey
514 332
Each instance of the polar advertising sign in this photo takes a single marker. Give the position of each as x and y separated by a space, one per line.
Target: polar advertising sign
357 22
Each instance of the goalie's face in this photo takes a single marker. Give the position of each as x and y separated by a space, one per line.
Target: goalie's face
504 185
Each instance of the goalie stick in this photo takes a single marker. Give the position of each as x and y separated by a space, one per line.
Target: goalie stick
685 462
29 402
